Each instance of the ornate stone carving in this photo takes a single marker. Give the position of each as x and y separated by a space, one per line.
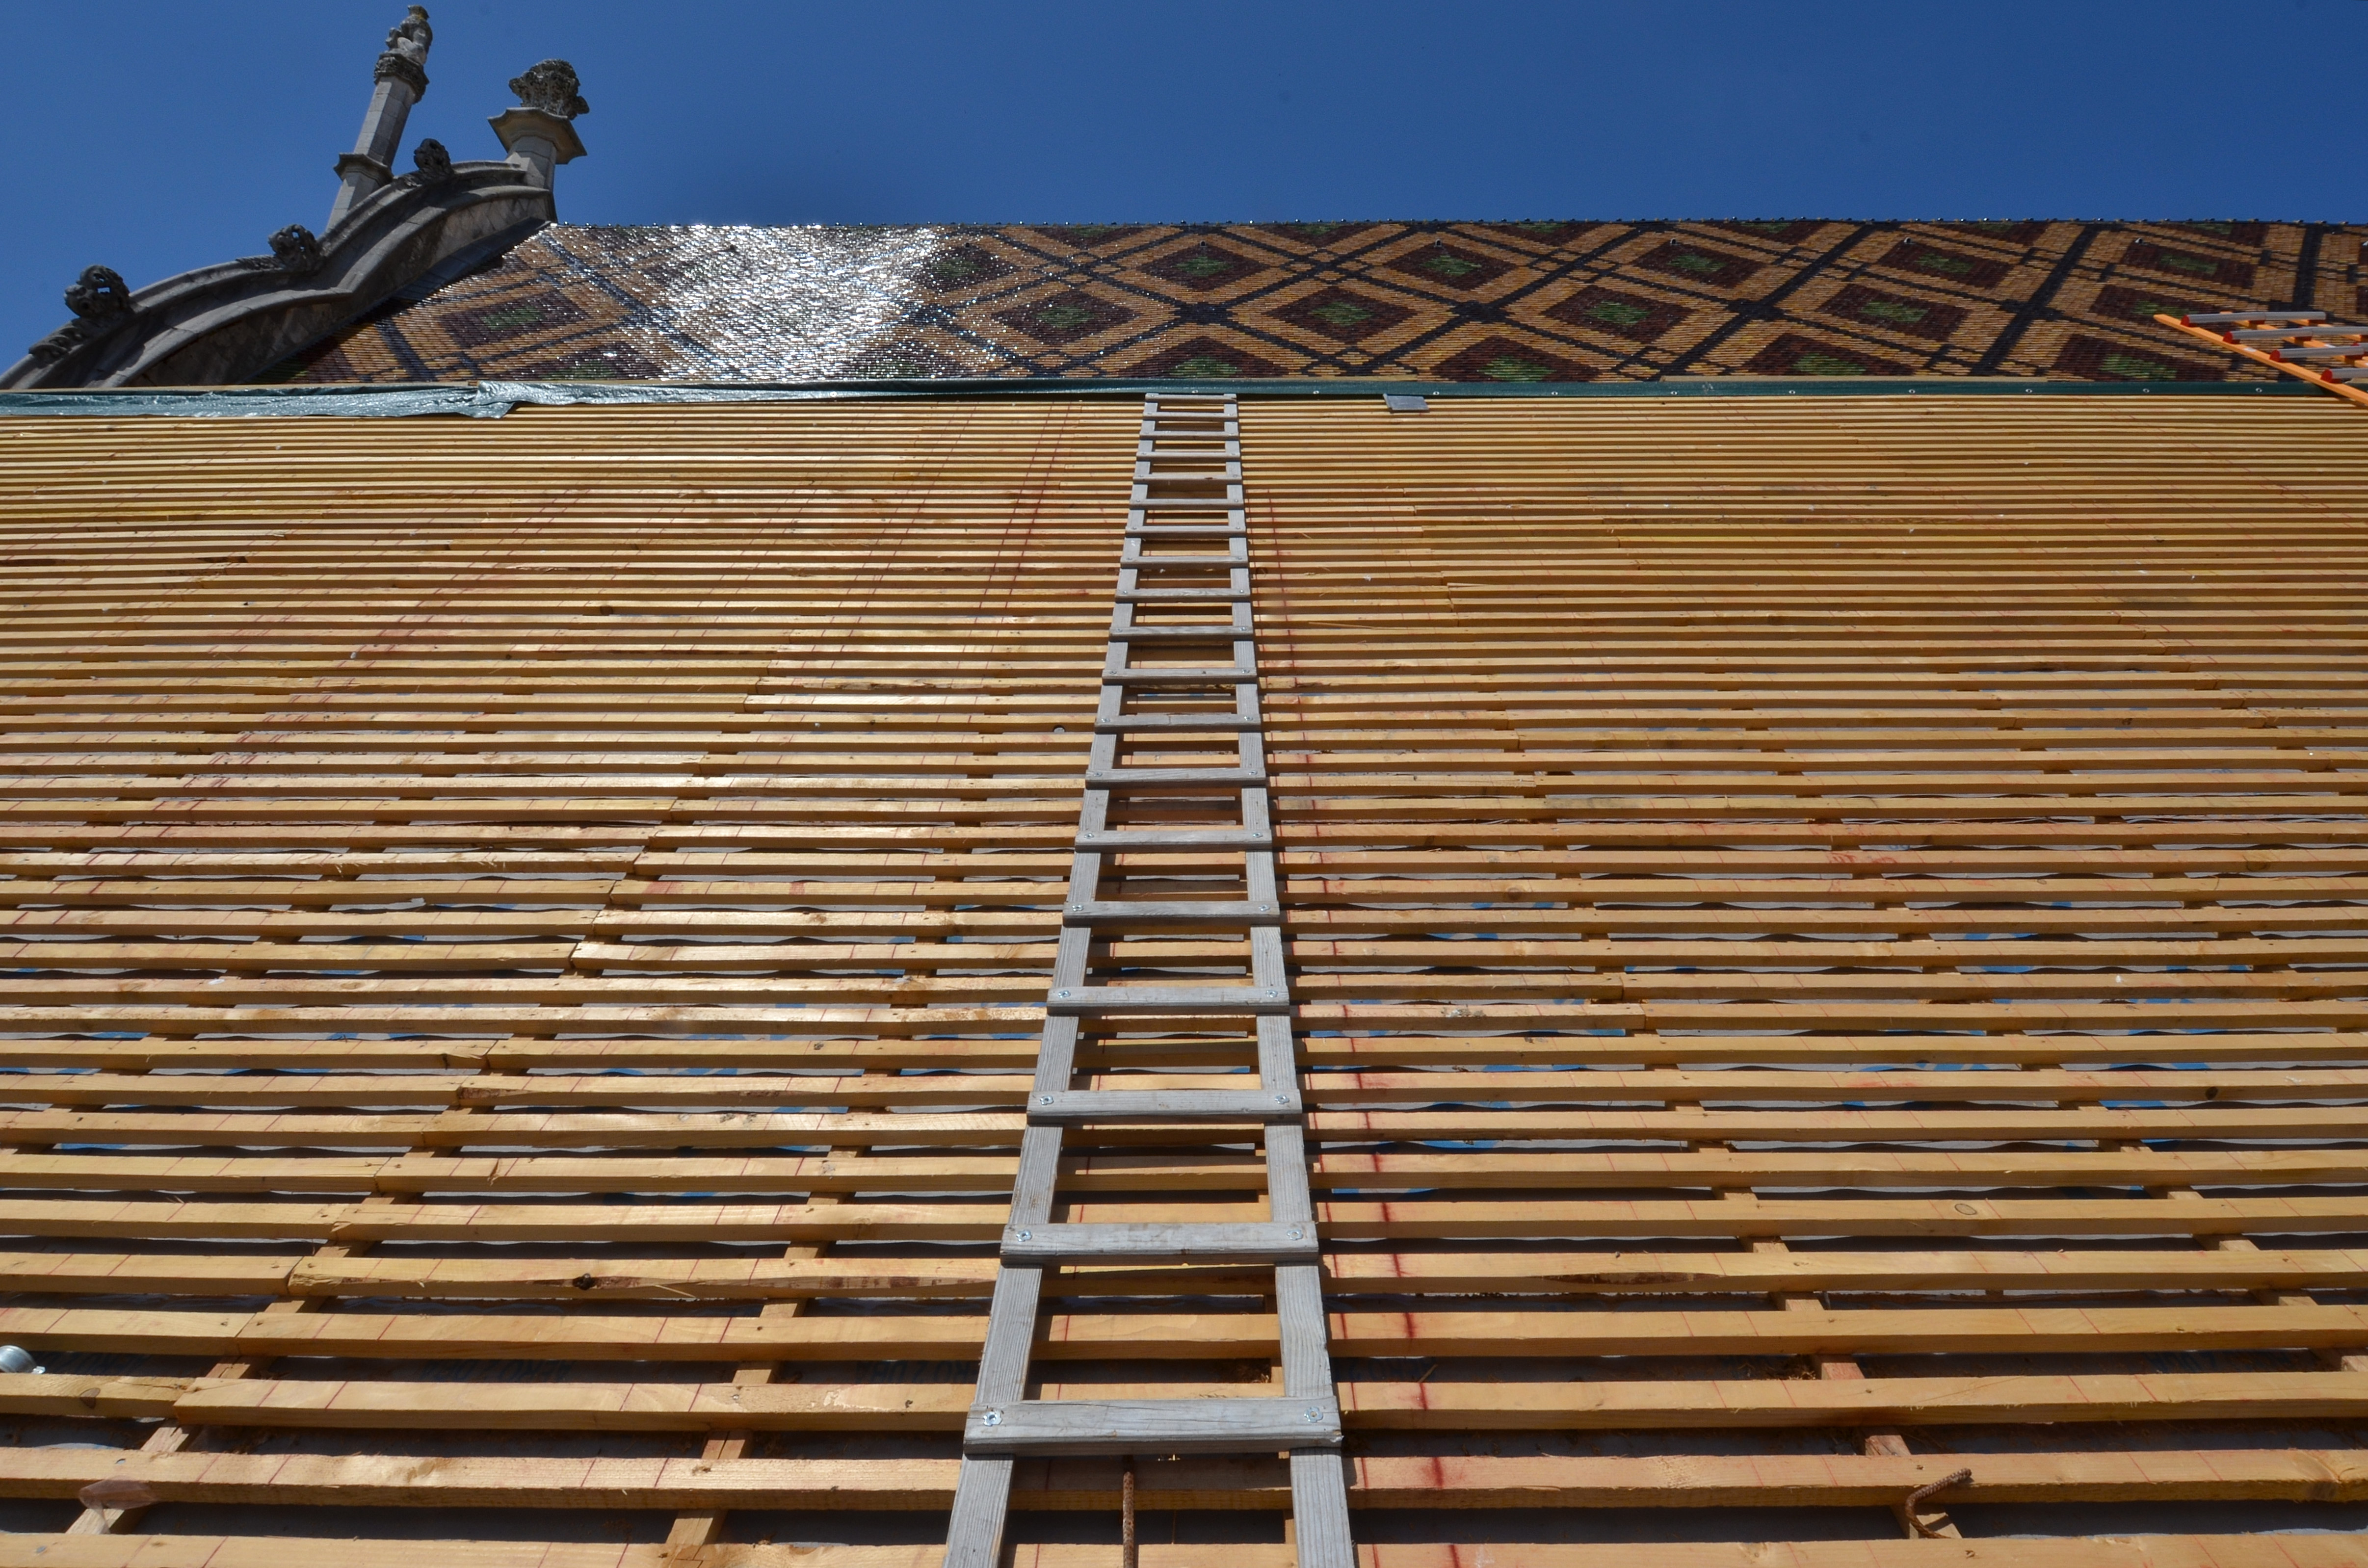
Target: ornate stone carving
100 303
99 297
296 250
405 59
551 86
434 164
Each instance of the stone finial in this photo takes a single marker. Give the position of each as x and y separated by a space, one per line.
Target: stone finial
433 162
100 303
405 59
540 133
551 86
297 250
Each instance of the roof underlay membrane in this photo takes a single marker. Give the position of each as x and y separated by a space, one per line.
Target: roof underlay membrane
1823 934
1507 302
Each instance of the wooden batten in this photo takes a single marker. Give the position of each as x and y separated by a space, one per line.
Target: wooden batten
1823 939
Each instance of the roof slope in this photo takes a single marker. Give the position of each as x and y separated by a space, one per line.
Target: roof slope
1826 936
1532 301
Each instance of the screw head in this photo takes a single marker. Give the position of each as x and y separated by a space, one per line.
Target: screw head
1043 1100
994 1418
1060 993
1314 1418
1295 1233
1283 1100
1026 1235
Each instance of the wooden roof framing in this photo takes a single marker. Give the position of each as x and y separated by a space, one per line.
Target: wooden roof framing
1824 937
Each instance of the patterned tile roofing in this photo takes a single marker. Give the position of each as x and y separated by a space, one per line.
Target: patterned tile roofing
1528 302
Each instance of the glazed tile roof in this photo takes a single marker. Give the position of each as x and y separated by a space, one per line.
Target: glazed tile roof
1526 301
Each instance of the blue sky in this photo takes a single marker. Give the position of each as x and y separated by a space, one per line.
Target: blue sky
155 135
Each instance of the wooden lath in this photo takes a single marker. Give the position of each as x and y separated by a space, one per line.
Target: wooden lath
435 780
528 945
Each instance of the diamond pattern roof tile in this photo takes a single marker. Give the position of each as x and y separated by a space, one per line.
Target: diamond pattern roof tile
1518 302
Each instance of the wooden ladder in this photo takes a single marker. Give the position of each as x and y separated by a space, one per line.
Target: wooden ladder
1183 594
2300 343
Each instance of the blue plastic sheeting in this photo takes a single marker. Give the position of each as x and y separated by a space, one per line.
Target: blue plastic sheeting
491 400
567 394
255 403
482 400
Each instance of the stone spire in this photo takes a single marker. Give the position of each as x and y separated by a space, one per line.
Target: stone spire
402 76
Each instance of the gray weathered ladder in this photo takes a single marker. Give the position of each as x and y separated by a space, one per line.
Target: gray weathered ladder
1183 594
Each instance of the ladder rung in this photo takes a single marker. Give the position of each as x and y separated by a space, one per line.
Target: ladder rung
1130 556
1179 721
1170 912
1143 499
1216 467
1186 504
2219 318
1223 999
1171 777
1220 675
1184 532
1120 839
1165 1105
1052 1426
1184 597
1248 1240
2278 335
1233 631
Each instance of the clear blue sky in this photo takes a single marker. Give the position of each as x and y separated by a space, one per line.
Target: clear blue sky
155 135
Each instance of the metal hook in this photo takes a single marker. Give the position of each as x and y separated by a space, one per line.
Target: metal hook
1915 1525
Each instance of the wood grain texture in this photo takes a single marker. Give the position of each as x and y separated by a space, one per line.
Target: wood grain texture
547 897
